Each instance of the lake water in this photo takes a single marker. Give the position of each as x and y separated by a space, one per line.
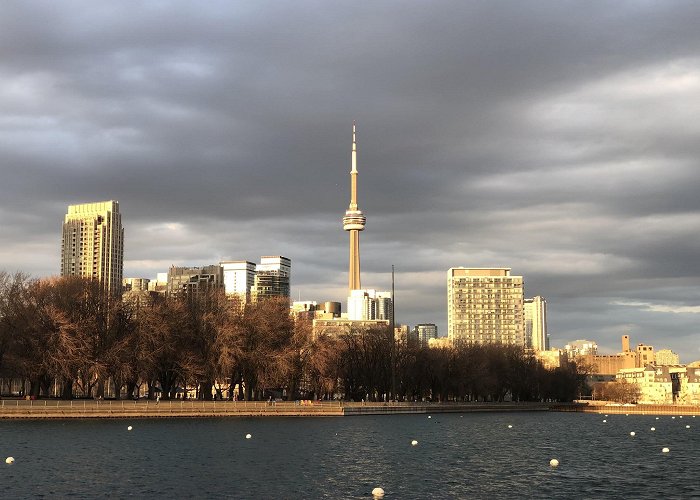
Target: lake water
457 456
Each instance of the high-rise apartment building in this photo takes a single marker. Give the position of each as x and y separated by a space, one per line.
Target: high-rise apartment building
423 332
272 277
93 244
485 305
535 311
239 278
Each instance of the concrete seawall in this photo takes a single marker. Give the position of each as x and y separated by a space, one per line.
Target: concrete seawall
47 409
631 409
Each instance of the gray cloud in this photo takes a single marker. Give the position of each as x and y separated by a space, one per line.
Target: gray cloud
556 138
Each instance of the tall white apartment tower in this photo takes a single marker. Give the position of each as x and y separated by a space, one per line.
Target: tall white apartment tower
93 244
239 278
485 306
535 312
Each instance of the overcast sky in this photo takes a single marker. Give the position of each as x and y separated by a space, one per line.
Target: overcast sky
560 139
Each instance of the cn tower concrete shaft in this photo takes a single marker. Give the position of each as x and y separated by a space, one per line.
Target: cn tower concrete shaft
354 222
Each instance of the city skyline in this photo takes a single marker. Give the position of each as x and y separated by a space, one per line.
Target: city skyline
554 139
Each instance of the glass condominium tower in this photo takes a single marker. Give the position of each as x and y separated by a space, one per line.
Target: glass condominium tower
93 244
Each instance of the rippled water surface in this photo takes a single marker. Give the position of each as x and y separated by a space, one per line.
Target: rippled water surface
457 456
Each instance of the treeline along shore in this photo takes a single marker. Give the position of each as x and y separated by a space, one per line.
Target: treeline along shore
65 338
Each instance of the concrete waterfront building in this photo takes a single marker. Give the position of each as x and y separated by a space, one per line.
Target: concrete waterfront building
272 277
665 357
484 306
423 332
369 305
674 384
535 313
239 278
645 355
354 222
93 244
310 309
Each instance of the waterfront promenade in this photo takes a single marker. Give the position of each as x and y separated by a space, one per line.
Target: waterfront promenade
52 409
18 409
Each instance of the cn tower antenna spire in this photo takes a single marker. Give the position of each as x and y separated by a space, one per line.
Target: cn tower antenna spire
354 221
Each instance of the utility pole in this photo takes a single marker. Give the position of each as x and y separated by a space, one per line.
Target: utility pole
393 338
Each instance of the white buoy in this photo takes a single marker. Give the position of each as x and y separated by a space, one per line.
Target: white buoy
414 442
129 428
632 433
378 493
673 418
429 416
687 427
665 450
605 421
510 426
657 418
652 429
606 415
248 436
554 462
10 460
680 416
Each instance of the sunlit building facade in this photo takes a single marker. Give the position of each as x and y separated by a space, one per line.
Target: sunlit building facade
93 244
535 312
485 306
239 278
272 277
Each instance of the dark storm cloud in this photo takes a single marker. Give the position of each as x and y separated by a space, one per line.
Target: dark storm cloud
556 138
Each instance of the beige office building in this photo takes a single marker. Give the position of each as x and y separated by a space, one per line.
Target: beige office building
93 244
485 306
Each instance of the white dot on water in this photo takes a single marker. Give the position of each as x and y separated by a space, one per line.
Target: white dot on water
414 442
10 460
429 416
665 450
554 462
673 418
510 426
652 429
657 418
248 436
129 428
680 416
378 492
605 421
632 433
687 427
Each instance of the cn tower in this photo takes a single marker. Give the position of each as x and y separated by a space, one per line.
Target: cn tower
354 222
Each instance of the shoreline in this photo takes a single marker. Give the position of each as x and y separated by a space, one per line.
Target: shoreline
58 409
